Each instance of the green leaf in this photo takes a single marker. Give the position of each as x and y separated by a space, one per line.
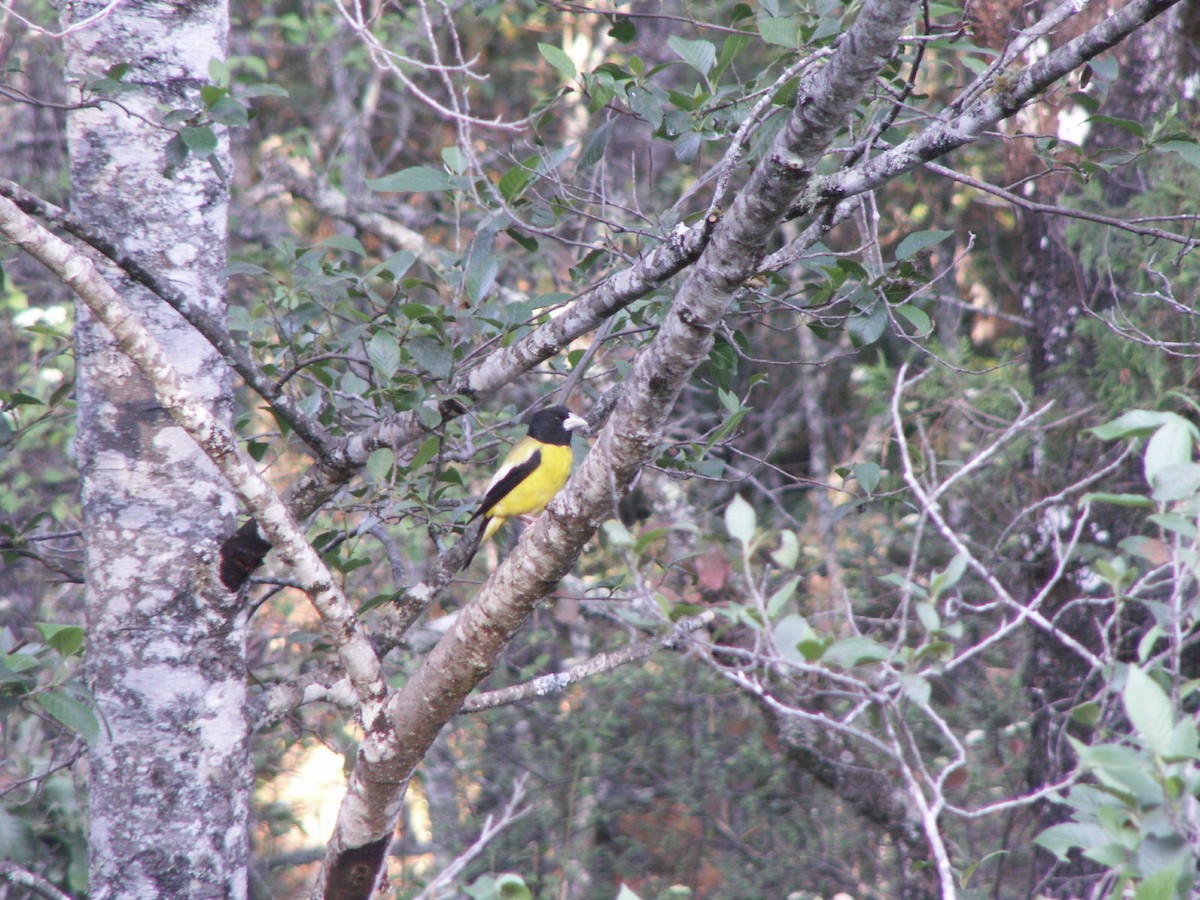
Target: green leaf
795 639
1136 423
916 317
1170 445
1133 501
788 553
1122 769
250 91
379 464
915 687
427 452
731 49
950 577
557 58
528 242
20 662
740 520
1062 839
384 353
927 615
1184 744
866 329
432 356
855 651
1176 482
395 265
417 179
218 72
1159 886
918 241
10 675
867 475
514 182
228 111
687 147
1188 151
646 103
1148 708
1181 525
1146 645
72 713
345 242
700 55
596 144
779 31
455 160
65 639
781 597
1133 127
429 416
200 141
510 886
480 275
19 398
1086 714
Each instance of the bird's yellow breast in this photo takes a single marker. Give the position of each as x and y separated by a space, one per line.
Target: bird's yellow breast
535 491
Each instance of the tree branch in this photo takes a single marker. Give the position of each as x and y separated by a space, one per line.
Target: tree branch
990 108
80 275
334 469
549 685
35 884
491 827
546 552
213 330
1188 243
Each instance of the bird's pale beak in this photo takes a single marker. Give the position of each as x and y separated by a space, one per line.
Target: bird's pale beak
575 422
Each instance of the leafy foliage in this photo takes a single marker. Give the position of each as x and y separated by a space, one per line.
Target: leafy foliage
1135 814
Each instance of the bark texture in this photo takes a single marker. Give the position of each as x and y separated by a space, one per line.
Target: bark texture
170 775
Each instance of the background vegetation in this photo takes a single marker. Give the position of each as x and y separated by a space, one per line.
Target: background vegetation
926 516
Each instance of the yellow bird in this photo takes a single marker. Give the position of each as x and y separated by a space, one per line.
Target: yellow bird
534 471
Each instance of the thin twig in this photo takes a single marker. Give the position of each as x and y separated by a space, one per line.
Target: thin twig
548 685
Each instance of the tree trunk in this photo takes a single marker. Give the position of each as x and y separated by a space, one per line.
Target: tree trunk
170 775
1056 287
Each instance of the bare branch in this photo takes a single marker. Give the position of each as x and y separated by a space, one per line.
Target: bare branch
32 882
1187 243
492 826
87 22
549 685
929 507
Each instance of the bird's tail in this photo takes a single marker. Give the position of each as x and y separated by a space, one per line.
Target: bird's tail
476 536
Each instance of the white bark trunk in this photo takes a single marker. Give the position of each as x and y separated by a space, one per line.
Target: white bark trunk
170 776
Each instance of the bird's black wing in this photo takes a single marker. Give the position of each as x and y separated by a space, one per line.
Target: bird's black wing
511 479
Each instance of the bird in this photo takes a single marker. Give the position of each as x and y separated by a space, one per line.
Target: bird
534 471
